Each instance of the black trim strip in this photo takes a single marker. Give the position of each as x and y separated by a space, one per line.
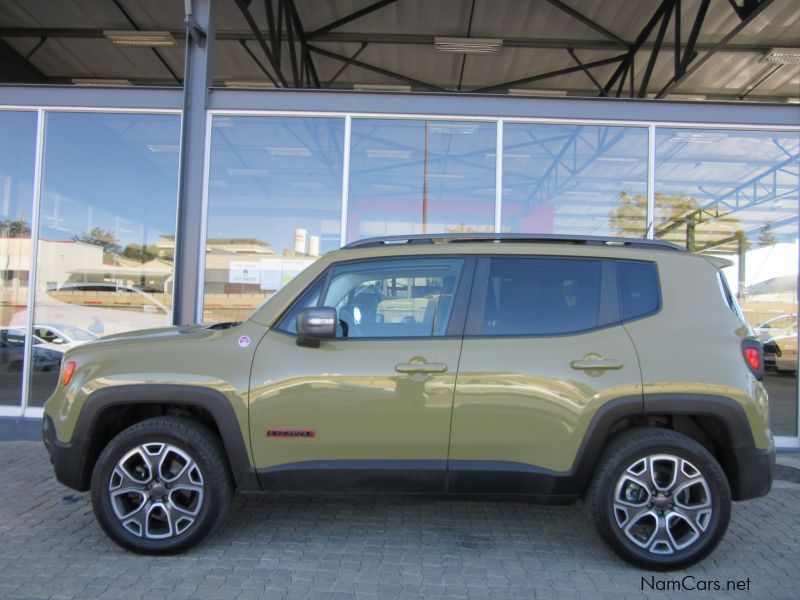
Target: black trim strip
356 476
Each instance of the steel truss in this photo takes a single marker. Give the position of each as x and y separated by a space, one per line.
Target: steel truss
289 49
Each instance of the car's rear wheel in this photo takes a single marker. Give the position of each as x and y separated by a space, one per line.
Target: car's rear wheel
659 499
161 485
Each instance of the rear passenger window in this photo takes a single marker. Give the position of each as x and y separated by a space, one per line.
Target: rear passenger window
638 289
542 296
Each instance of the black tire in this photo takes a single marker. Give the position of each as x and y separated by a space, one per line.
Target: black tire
175 435
619 525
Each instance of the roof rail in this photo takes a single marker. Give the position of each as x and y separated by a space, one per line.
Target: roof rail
527 238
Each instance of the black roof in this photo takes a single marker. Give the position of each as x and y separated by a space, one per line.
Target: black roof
528 238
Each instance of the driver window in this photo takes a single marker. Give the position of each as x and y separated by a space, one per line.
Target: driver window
394 298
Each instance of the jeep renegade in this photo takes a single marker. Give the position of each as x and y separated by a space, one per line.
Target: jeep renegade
541 368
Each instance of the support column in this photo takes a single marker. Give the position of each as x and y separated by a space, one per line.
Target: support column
690 234
198 72
742 252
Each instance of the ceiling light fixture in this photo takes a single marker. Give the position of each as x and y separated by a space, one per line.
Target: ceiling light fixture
102 82
458 45
289 151
250 84
527 92
381 87
783 56
381 153
140 38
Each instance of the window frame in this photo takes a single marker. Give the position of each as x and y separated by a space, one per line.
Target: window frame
609 296
458 314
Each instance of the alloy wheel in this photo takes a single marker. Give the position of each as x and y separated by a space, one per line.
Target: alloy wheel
156 491
662 503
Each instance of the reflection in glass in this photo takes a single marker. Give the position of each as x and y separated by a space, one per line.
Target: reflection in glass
17 158
574 179
411 176
735 194
274 206
107 230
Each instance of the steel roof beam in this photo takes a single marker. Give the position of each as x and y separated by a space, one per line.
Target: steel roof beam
15 67
565 71
375 69
347 63
669 6
589 23
719 46
637 44
155 50
312 77
378 38
251 54
351 17
587 71
242 4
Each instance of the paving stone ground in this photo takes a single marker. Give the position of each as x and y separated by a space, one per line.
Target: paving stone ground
376 547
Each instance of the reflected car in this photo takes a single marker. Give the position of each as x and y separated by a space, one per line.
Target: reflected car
776 327
99 320
63 333
780 353
46 357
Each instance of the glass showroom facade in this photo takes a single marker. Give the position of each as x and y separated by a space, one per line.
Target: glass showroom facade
89 211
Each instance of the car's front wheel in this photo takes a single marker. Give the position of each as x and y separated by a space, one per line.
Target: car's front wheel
161 485
659 499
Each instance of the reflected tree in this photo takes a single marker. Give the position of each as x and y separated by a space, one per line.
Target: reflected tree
677 219
104 238
140 253
12 228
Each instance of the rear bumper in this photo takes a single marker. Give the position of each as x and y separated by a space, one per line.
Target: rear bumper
753 472
67 459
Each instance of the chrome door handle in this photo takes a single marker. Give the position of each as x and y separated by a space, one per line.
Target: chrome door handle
603 364
420 367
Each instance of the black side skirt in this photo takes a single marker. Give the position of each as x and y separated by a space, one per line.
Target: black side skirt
463 478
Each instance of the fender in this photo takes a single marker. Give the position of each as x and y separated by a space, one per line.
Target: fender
185 395
748 468
723 408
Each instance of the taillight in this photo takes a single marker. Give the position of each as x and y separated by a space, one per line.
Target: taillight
754 357
67 372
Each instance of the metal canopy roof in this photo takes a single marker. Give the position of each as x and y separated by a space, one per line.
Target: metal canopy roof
579 47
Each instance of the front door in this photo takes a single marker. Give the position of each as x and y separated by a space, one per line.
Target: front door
543 350
370 409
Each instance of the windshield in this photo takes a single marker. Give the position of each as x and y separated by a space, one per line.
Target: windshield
16 337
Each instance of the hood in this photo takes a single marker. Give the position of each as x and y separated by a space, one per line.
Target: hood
180 332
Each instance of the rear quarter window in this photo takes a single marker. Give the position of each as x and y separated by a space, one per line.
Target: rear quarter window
542 296
639 291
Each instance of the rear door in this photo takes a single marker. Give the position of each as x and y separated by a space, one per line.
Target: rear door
544 349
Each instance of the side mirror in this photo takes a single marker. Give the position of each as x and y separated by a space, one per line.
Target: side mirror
314 325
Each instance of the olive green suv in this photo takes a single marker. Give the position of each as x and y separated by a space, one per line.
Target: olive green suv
540 368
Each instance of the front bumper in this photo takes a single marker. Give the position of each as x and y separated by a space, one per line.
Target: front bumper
68 459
